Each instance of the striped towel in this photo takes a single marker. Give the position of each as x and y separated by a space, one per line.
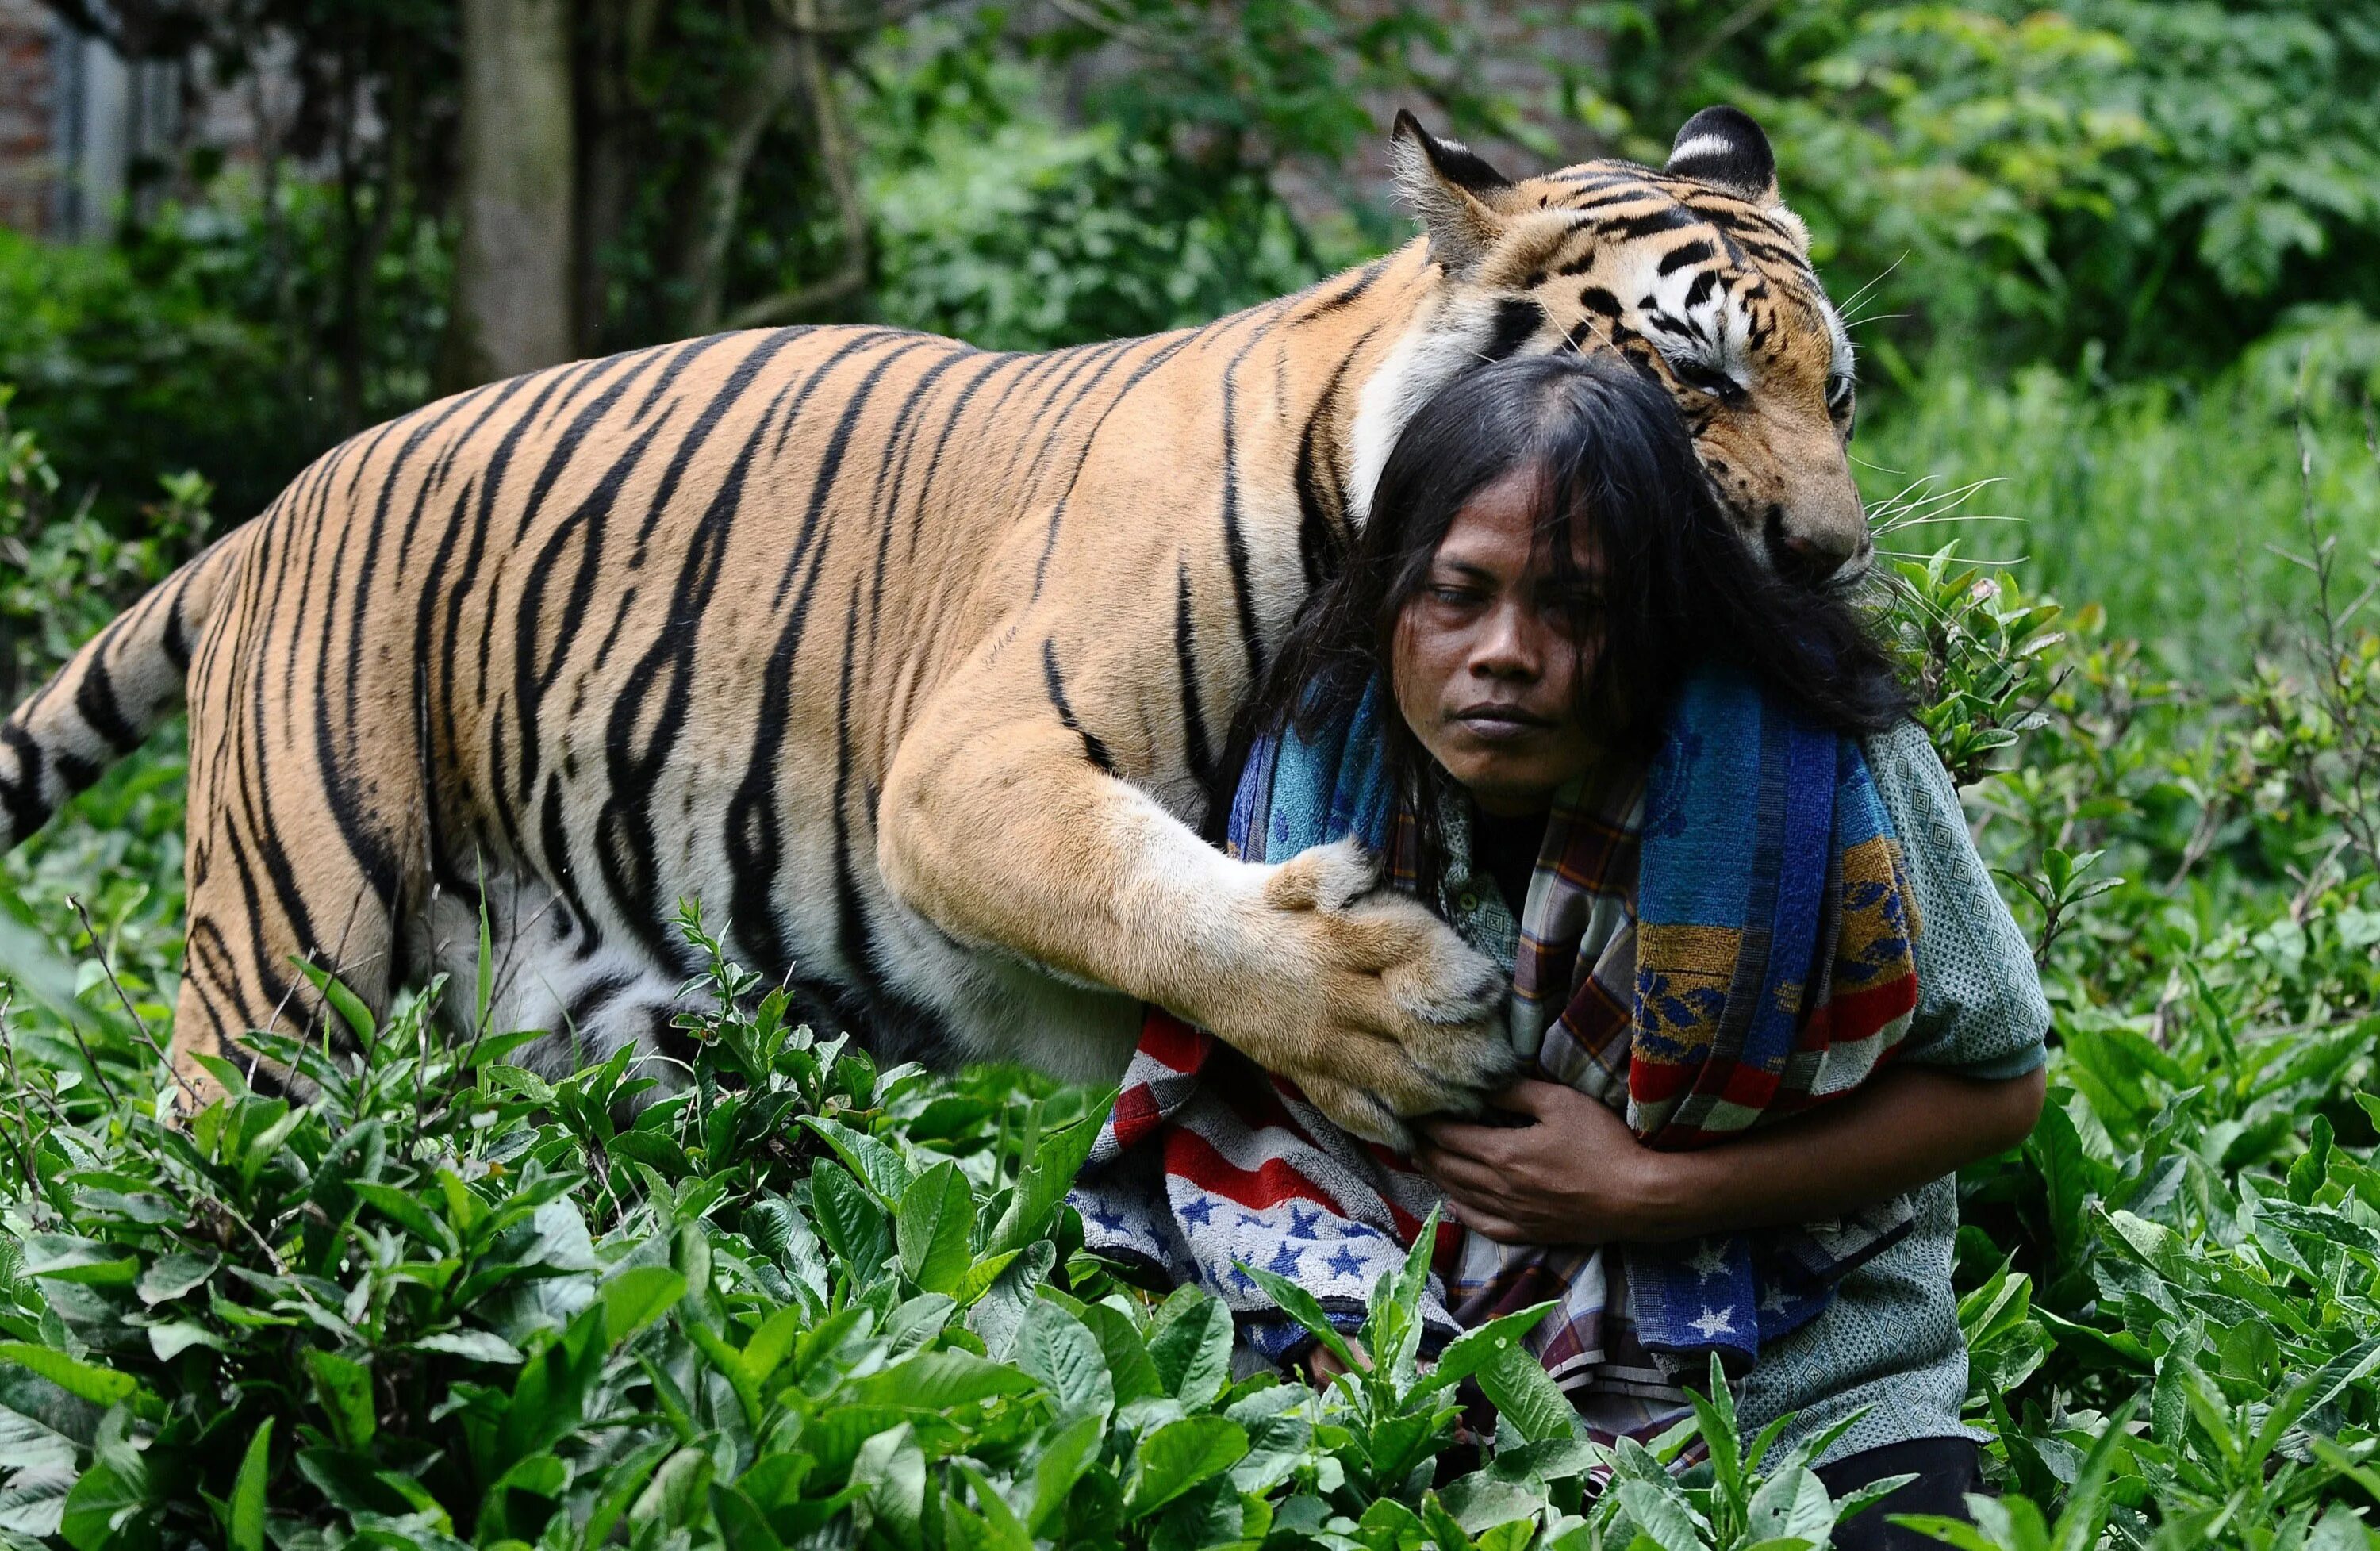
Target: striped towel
1712 943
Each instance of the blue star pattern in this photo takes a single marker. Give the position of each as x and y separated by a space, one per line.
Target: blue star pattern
1198 1212
1301 1224
1285 1261
1347 1263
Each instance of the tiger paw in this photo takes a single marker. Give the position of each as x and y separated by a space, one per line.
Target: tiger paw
1369 1002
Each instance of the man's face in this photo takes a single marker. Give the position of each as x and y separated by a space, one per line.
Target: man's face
1487 660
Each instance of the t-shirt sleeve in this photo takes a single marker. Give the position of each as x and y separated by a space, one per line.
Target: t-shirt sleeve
1979 1004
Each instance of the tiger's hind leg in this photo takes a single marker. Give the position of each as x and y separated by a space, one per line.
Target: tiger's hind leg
247 939
292 858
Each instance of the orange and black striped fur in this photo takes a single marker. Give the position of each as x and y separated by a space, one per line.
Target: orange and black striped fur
915 663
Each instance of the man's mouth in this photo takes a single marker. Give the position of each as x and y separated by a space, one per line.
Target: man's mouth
1498 724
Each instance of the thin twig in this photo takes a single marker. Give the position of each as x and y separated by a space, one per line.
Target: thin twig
75 903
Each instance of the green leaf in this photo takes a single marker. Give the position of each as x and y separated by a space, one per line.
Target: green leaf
101 1387
1191 1346
67 1258
1476 1348
876 1163
936 1220
103 1500
1302 1306
175 1337
1661 1512
344 1002
653 1150
981 1277
850 1221
635 1298
1178 1456
244 1524
1057 1348
2311 1170
1068 1453
170 1276
1791 1504
938 1379
1042 1188
741 1522
893 1468
522 1081
1526 1396
479 1346
406 1210
1126 1353
343 1388
996 1315
1006 1532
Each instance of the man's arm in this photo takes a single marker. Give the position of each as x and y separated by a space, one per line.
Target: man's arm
1579 1175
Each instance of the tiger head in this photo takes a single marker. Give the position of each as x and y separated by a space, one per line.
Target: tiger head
1697 273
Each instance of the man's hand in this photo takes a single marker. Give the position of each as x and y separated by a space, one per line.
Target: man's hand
1577 1175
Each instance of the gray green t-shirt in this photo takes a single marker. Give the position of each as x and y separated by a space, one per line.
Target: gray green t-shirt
1891 1341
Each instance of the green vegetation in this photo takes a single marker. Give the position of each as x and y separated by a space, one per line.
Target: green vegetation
2106 266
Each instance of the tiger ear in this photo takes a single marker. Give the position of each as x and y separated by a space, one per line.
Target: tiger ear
1457 195
1723 146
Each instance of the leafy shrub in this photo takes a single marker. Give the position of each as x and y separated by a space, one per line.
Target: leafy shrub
801 1299
212 338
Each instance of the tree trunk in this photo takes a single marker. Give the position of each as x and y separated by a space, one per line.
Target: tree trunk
513 258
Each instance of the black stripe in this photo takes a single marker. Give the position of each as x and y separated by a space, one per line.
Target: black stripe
28 810
96 703
1668 218
1354 292
1055 684
1686 253
1322 525
1200 757
586 524
1516 318
592 999
1235 543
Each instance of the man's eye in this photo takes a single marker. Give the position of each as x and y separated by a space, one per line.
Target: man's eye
1457 595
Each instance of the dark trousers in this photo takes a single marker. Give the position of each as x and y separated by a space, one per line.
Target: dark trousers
1946 1469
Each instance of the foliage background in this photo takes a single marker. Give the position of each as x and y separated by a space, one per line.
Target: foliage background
2117 345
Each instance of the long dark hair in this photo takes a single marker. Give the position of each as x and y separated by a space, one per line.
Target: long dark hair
1679 586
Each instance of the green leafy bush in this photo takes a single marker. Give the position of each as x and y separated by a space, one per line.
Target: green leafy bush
800 1300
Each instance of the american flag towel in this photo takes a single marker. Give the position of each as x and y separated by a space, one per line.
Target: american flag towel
1711 943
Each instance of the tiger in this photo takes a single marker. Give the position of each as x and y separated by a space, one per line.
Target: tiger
919 666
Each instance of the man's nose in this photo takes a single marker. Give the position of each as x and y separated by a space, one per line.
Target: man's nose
1508 644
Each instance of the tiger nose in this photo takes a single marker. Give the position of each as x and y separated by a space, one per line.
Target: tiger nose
1816 551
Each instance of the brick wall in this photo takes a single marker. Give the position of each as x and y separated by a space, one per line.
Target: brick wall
28 117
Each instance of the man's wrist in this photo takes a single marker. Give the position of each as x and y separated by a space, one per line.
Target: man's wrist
1672 1196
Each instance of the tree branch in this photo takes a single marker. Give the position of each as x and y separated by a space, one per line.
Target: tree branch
836 155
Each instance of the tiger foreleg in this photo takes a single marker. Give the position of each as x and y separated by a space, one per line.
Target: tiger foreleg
1003 834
